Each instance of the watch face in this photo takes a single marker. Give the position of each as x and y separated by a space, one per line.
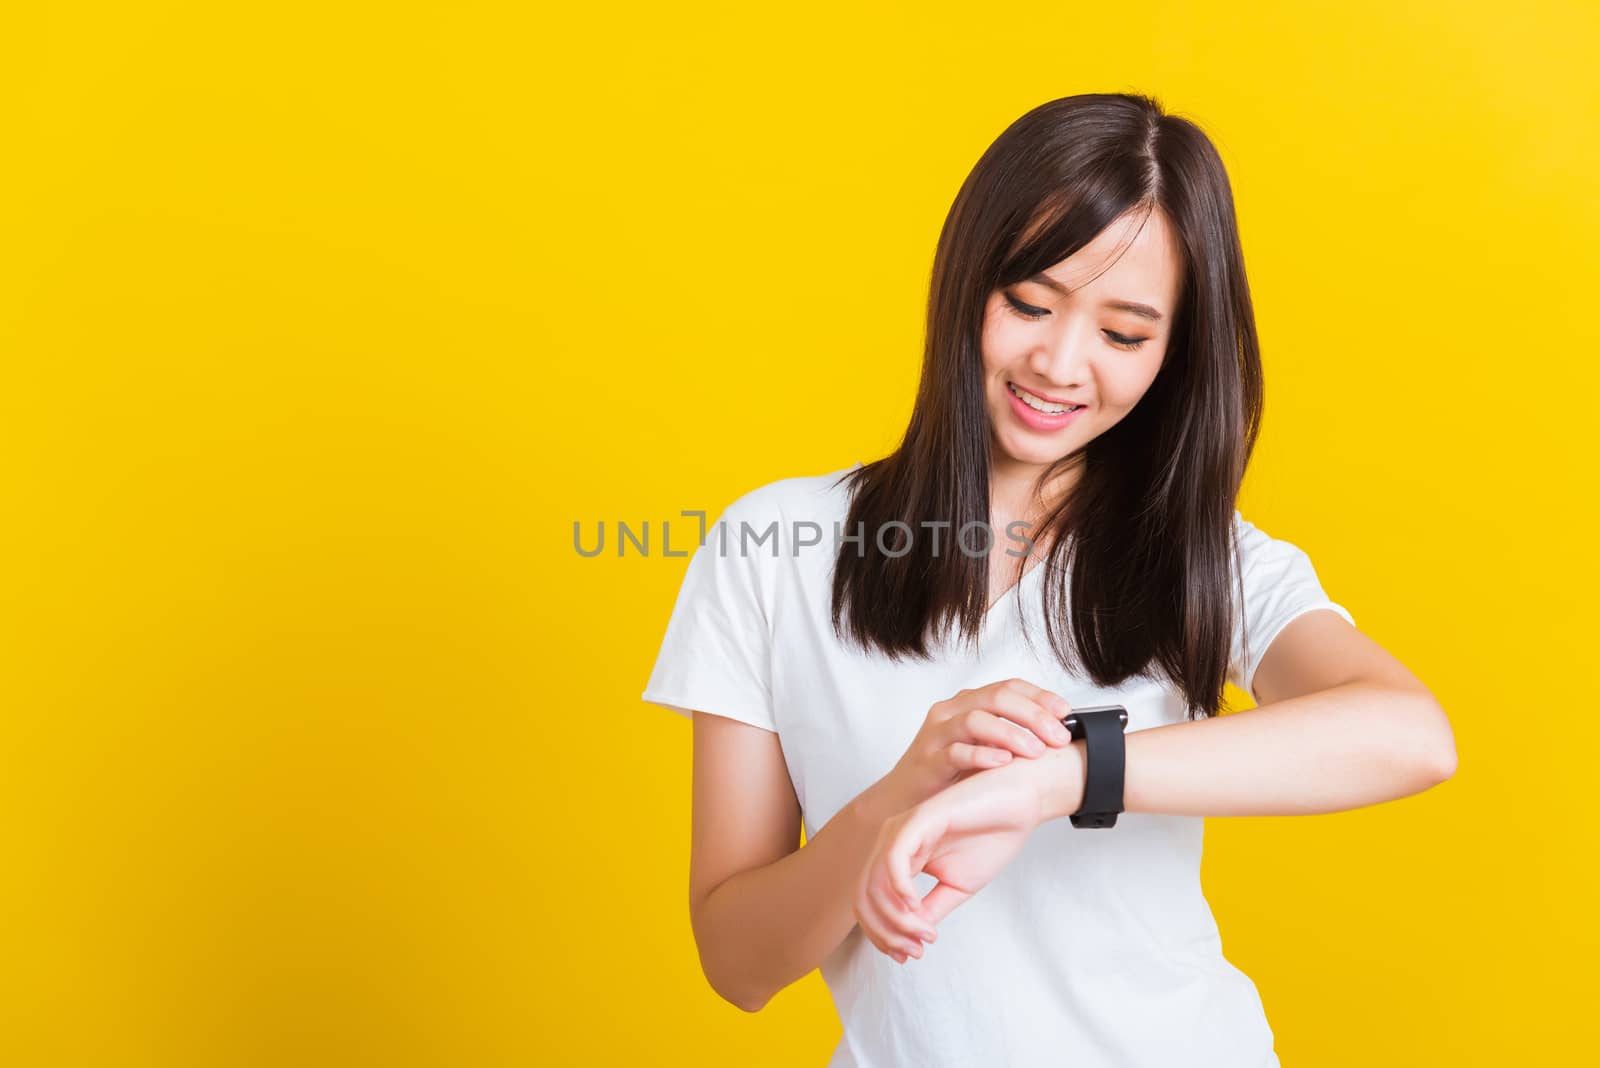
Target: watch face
1071 719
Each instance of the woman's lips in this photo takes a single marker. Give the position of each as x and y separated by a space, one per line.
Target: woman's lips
1040 421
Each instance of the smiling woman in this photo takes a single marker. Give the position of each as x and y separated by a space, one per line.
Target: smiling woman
1091 373
1042 362
1091 370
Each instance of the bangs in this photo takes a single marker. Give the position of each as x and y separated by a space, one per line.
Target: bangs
1066 222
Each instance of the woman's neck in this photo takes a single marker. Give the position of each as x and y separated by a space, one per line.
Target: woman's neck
1013 496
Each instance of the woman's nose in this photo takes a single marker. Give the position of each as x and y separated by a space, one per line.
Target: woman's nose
1063 361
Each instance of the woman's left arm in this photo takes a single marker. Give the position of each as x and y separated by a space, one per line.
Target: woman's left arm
1342 724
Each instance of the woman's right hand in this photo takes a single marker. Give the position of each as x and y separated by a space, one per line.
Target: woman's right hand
974 730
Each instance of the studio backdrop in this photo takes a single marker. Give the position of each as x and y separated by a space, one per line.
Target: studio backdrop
331 332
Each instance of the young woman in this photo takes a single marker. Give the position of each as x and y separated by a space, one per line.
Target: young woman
859 650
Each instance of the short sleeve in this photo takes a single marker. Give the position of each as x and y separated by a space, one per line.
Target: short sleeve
716 655
1280 583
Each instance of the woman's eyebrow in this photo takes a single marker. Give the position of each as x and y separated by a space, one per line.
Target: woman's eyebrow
1133 307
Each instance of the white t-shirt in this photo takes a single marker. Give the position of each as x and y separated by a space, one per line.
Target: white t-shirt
1092 947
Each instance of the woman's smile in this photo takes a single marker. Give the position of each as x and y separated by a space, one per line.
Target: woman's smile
1037 414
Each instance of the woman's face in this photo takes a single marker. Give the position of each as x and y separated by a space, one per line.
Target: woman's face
1068 337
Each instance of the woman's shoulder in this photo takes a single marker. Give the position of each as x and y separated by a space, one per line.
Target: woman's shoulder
1267 560
1253 539
816 498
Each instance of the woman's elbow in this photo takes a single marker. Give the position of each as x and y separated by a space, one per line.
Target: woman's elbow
739 997
725 986
751 1005
1445 767
1439 753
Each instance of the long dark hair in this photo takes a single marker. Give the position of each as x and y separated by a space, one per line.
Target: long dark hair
1147 529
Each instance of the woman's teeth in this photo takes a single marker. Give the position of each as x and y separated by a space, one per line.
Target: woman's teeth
1041 406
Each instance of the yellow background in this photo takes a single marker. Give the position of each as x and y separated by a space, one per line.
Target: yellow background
323 323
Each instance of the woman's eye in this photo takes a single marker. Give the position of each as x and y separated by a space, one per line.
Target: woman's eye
1123 342
1027 311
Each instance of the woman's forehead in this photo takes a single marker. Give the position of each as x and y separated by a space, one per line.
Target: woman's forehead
1137 250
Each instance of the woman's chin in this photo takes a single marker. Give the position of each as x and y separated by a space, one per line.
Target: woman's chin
1030 454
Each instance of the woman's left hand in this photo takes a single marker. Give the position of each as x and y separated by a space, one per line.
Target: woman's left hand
962 836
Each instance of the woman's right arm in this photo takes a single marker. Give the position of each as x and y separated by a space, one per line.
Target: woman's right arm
765 912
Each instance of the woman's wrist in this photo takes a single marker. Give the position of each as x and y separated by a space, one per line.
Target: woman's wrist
1059 777
881 800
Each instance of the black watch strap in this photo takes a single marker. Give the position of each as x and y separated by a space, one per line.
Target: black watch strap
1101 729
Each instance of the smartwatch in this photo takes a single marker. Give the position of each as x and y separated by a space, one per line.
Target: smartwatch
1101 728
